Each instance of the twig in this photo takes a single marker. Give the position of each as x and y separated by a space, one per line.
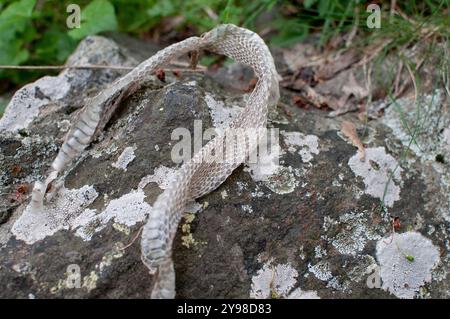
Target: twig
392 9
398 78
134 239
210 13
392 234
413 78
376 49
61 67
199 68
354 29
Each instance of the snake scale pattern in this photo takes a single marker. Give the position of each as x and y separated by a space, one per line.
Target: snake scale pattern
202 173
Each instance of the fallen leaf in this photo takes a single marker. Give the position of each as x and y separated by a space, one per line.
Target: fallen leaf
300 55
316 99
300 102
336 64
349 130
353 88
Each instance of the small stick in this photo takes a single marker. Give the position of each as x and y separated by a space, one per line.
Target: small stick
134 239
87 66
61 67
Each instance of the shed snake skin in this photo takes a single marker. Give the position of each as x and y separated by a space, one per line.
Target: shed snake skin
196 177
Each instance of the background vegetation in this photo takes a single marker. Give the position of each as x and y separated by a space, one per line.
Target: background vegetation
34 32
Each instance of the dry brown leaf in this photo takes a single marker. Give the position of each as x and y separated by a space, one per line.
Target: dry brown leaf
301 55
349 130
338 62
300 102
353 88
315 98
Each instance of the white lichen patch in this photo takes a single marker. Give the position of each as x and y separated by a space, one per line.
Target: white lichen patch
127 210
422 125
221 115
125 158
446 139
100 151
364 267
191 83
300 294
321 270
305 145
68 210
282 179
224 194
381 174
247 209
319 252
283 182
354 233
258 193
406 263
25 269
267 170
58 214
273 281
266 166
26 102
427 117
162 176
64 125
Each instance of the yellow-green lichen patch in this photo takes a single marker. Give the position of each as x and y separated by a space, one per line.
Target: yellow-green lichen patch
187 239
122 228
90 281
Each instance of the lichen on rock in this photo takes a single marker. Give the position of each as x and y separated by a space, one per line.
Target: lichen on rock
406 262
381 174
308 223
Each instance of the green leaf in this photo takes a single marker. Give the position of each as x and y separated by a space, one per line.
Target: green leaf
409 258
98 16
19 11
3 104
54 46
309 3
289 32
14 31
11 53
225 14
323 7
15 18
162 9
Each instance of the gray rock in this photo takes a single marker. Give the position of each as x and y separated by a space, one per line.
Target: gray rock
315 223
